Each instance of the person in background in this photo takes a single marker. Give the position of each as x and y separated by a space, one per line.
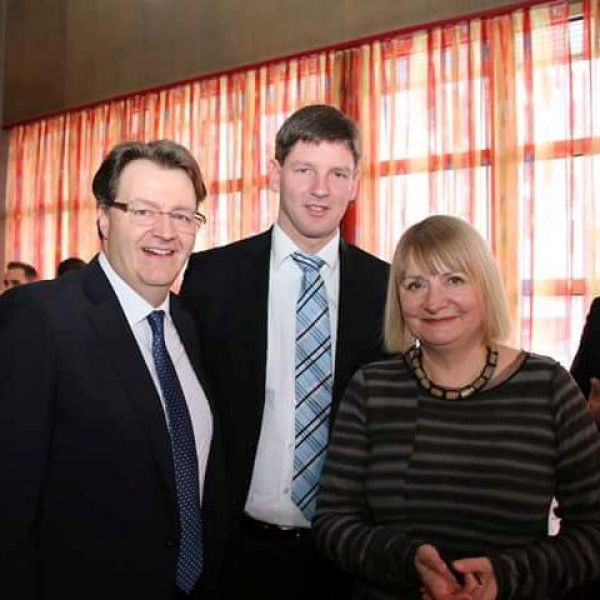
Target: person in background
286 318
586 364
444 459
18 273
586 372
69 264
112 470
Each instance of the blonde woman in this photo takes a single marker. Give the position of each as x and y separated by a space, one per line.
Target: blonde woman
445 458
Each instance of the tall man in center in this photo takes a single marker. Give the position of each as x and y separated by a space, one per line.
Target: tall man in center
287 317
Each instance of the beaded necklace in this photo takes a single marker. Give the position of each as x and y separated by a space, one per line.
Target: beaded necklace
414 357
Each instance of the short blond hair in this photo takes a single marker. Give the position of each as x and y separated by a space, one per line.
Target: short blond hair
445 242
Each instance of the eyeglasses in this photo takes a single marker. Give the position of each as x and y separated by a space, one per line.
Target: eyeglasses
183 221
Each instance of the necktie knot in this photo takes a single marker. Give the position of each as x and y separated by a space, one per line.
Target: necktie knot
308 262
157 322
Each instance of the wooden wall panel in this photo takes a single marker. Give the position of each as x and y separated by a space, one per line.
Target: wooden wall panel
66 53
35 52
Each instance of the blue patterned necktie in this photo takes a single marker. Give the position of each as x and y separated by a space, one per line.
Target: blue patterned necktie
185 461
313 383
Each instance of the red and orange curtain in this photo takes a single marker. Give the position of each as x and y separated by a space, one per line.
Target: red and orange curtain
494 119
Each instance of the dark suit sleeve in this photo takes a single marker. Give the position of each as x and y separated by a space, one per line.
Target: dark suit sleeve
190 292
27 382
187 283
586 363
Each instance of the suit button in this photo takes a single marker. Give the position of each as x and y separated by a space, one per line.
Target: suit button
170 543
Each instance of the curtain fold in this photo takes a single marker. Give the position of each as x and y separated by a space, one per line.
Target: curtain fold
494 119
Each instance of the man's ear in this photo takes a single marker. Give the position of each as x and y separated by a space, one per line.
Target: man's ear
355 184
102 222
274 176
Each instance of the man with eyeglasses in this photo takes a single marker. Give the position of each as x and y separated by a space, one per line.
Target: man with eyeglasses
110 463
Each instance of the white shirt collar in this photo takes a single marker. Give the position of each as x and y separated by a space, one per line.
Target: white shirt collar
282 247
135 307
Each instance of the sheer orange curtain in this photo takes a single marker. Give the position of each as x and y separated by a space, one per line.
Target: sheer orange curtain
494 119
228 122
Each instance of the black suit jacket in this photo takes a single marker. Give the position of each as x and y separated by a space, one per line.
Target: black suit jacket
587 360
88 505
227 290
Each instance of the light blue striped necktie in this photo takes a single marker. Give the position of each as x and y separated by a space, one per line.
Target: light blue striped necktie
313 382
185 461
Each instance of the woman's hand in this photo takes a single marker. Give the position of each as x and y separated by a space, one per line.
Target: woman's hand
480 570
438 581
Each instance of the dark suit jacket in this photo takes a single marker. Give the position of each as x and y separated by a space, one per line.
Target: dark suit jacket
587 360
88 505
227 290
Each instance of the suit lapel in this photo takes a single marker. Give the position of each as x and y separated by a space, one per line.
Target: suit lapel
213 501
253 277
184 323
349 316
109 322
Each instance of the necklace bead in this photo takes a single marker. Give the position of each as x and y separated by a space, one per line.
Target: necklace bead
414 357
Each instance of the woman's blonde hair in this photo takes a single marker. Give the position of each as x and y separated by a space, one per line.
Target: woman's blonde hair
435 244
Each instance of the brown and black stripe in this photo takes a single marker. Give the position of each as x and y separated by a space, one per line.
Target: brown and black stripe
474 477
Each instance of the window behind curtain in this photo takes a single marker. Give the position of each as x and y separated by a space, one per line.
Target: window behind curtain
493 119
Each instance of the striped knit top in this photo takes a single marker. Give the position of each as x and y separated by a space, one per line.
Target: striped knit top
473 477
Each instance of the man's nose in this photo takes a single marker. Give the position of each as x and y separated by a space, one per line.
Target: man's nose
164 226
320 187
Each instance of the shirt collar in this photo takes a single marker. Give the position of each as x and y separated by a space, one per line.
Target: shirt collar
135 307
282 247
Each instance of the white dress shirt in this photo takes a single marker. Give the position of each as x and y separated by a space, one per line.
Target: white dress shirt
136 311
269 497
